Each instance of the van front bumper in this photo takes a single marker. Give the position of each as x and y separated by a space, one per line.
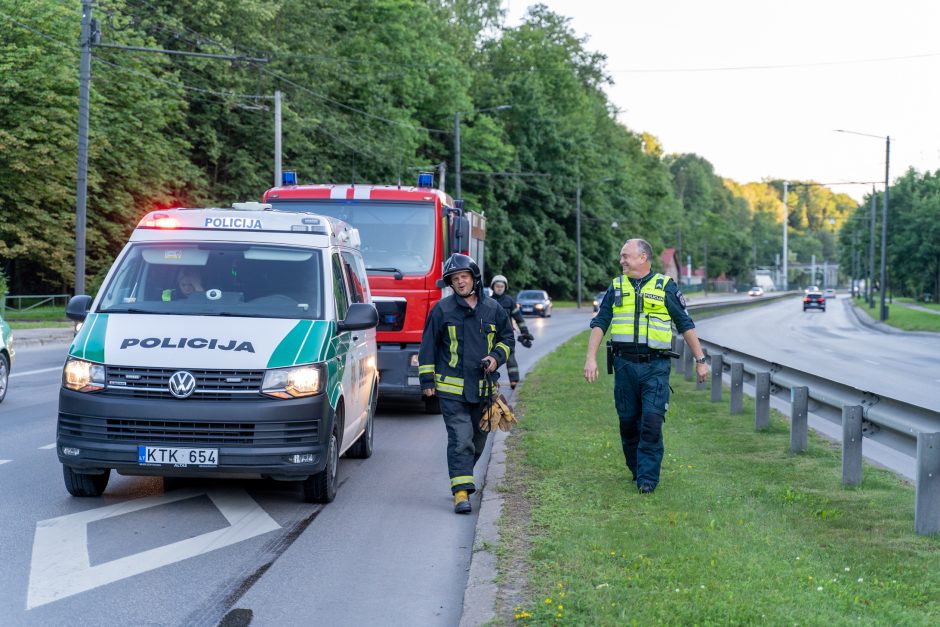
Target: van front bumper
252 437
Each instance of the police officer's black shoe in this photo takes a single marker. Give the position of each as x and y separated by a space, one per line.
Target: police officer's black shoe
646 488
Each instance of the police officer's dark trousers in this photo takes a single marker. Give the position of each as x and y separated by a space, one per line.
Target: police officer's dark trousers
465 440
641 395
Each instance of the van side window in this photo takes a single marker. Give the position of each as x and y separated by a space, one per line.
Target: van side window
354 278
340 295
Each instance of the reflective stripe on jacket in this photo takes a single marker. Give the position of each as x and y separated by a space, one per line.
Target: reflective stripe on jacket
642 317
456 339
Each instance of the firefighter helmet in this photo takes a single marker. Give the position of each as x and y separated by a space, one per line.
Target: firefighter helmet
499 279
460 263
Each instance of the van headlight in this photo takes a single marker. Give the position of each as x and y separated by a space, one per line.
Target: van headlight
294 382
83 376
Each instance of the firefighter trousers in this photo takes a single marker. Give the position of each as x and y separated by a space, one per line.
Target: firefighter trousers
512 367
465 440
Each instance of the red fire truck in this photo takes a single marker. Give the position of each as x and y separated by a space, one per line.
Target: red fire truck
406 233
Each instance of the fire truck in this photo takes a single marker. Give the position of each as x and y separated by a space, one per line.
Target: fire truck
407 233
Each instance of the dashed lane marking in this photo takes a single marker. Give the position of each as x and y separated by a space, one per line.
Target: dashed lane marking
873 362
5 461
47 447
29 372
61 567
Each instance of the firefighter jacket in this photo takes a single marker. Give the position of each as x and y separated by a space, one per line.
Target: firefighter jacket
512 308
456 339
641 316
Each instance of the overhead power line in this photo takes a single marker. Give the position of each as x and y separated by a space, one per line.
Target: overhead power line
38 32
781 66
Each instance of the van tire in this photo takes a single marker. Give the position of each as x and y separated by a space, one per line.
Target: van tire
432 405
321 487
362 448
85 485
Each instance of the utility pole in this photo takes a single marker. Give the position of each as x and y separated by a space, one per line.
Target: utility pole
871 255
81 192
786 281
884 233
277 138
577 231
457 154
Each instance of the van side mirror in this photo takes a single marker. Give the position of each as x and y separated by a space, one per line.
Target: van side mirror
78 307
360 316
460 237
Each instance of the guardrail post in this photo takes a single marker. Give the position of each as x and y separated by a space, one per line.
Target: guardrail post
927 499
851 444
737 387
677 363
688 364
799 404
762 411
717 369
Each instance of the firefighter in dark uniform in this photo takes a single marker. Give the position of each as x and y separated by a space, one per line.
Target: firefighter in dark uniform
466 334
640 308
500 287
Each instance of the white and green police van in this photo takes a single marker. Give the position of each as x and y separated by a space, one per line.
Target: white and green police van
223 342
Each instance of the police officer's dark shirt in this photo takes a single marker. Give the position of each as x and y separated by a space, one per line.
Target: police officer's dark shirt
675 303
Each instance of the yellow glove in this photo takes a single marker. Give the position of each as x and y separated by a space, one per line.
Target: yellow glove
506 417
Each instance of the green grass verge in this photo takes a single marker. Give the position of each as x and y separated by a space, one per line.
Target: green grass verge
36 318
739 531
904 318
41 325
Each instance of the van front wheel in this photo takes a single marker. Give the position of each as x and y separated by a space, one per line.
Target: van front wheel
321 487
85 485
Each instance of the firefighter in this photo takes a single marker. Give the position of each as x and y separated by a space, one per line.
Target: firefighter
466 338
500 287
640 307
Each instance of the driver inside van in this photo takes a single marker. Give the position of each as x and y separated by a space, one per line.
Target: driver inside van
188 281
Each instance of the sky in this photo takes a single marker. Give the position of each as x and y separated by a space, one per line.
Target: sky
866 66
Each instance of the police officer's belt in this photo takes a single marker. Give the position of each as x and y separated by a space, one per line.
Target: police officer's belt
638 357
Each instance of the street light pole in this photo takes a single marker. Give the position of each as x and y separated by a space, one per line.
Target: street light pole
884 232
577 231
81 194
786 281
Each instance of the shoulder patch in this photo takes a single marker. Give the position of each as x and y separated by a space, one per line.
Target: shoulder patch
681 298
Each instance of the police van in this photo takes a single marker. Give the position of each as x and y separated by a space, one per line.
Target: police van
223 342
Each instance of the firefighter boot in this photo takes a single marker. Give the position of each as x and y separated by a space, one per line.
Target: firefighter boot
513 384
461 502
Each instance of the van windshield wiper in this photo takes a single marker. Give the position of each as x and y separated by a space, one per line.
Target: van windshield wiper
398 274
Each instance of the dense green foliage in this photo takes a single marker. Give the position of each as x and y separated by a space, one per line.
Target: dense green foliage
370 91
913 236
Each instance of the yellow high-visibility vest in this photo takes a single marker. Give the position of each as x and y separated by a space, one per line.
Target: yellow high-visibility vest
653 326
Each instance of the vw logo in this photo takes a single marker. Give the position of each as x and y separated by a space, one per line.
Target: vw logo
182 384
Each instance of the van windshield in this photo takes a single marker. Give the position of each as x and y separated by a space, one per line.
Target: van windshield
398 235
217 279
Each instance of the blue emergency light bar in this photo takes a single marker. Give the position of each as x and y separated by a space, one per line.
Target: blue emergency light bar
426 179
289 177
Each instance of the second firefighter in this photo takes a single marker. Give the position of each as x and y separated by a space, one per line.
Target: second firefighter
500 287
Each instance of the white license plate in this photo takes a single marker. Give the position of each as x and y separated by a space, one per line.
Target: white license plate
178 457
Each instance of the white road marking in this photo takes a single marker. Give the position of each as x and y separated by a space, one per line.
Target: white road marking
47 447
29 372
5 461
60 565
873 362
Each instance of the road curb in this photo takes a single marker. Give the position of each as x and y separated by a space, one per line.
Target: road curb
479 598
25 338
862 317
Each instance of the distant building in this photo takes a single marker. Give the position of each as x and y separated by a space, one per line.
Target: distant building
670 264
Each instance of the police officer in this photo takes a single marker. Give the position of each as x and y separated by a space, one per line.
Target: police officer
640 308
500 287
465 336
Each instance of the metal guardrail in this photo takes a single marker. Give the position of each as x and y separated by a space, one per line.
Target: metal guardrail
41 299
907 428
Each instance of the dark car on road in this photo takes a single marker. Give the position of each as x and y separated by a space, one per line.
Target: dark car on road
598 299
814 300
535 303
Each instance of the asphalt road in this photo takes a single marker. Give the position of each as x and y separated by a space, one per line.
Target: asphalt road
387 551
834 345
